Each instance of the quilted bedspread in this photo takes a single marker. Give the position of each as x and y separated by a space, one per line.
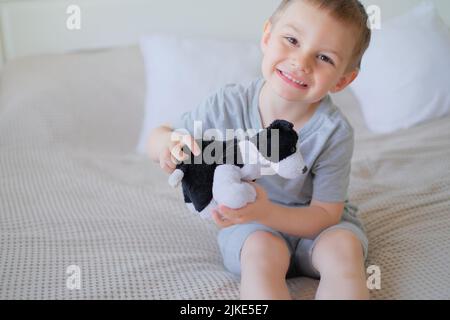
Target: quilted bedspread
82 216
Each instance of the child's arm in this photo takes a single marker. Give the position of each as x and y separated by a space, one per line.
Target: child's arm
165 146
305 222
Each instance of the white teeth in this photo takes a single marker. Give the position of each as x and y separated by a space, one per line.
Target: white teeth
293 80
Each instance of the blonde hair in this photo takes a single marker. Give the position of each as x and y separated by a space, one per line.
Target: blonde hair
350 12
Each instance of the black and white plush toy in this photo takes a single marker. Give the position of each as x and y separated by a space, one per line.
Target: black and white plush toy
219 174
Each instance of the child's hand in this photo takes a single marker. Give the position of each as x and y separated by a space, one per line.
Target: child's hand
255 211
173 153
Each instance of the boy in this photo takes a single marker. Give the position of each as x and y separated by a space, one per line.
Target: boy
302 227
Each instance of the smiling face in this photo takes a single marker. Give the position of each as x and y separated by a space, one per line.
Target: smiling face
306 54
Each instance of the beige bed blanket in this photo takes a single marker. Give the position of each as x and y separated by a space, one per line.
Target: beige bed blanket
74 193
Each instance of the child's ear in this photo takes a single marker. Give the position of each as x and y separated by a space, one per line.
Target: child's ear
266 35
345 80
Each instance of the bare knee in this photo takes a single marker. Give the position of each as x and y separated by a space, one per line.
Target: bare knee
338 252
266 250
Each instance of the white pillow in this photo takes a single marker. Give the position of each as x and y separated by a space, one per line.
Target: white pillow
405 74
182 72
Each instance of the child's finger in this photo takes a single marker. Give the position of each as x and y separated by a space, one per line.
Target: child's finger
237 216
190 142
165 167
227 211
218 220
162 163
174 161
171 163
177 152
217 217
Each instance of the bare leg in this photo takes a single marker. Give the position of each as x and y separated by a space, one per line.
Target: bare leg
338 256
264 264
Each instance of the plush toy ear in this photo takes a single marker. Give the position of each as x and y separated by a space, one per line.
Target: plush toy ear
280 124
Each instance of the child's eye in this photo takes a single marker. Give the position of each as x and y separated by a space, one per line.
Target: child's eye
292 40
326 59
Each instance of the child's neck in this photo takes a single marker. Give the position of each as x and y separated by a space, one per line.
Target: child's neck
273 107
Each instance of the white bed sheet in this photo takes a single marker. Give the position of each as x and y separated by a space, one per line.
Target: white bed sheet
72 192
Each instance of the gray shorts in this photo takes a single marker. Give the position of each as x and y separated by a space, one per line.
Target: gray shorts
231 240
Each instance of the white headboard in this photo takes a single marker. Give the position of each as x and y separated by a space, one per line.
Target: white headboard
40 26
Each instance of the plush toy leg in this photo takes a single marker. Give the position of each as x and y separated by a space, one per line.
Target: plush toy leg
191 207
205 213
228 188
175 178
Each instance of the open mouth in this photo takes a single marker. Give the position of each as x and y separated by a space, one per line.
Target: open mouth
291 81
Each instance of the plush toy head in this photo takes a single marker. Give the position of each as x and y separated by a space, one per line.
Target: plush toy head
276 150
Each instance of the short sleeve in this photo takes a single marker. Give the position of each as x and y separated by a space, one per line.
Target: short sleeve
331 171
203 117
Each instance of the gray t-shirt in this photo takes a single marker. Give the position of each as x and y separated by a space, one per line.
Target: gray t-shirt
326 144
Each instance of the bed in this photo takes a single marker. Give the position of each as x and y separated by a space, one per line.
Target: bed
83 216
74 193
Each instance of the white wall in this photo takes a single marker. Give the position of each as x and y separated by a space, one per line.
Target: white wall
35 26
391 8
39 26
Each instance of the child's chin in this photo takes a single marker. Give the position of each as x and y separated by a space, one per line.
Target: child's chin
289 97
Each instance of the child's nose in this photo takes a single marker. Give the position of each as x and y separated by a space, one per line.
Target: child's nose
301 62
